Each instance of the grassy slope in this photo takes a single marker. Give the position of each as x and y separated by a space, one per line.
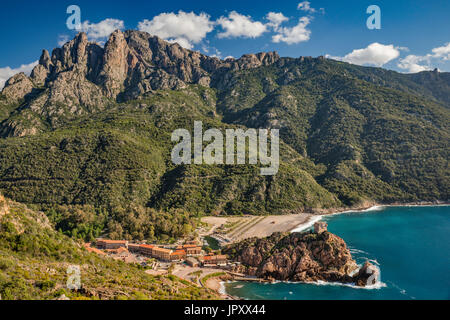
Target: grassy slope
34 261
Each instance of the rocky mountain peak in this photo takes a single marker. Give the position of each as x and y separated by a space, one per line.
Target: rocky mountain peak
115 65
82 76
250 61
71 54
17 87
45 59
41 72
134 62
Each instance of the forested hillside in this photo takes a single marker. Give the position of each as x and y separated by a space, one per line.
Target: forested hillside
86 137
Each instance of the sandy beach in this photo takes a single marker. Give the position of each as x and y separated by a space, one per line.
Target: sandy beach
263 226
271 224
214 284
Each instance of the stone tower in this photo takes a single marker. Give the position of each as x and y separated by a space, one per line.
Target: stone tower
320 227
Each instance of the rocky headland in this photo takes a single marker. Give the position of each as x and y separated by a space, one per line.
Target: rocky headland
301 257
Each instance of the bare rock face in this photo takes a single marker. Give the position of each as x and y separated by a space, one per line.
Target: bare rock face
303 257
72 69
115 65
17 129
71 55
17 88
41 72
368 275
82 77
73 91
250 61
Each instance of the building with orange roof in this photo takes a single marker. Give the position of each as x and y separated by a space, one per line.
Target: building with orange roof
95 250
111 244
135 248
122 250
178 255
192 249
214 260
117 251
146 250
161 253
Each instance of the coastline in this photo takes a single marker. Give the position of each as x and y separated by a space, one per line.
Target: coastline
218 284
315 217
379 238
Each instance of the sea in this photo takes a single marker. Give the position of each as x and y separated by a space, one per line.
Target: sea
409 244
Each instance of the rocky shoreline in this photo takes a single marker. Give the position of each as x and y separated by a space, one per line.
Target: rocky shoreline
307 256
300 257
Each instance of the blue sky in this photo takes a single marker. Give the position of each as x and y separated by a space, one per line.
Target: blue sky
414 35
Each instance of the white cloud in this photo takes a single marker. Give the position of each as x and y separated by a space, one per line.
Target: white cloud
207 49
63 39
7 72
103 29
185 28
238 25
442 52
306 6
276 19
296 34
185 43
413 63
375 54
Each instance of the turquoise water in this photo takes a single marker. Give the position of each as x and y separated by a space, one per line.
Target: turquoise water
410 245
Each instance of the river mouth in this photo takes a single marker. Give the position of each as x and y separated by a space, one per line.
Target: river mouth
408 244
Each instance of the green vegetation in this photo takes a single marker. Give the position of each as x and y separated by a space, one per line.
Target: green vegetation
131 223
34 261
350 135
213 243
212 275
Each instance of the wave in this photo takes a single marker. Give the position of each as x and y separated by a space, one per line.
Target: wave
402 291
308 224
374 208
354 250
316 218
371 209
378 285
374 261
222 289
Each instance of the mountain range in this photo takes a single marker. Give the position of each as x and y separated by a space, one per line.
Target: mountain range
90 131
